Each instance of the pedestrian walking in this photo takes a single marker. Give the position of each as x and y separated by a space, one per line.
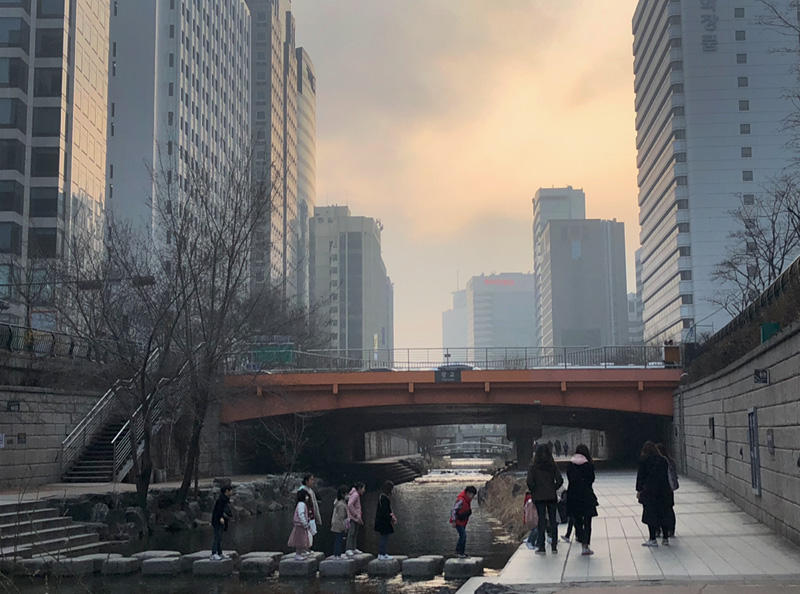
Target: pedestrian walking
672 476
339 521
459 517
544 480
531 520
654 493
384 520
581 500
220 518
314 517
354 518
301 537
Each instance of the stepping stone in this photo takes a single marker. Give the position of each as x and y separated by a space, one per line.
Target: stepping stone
187 561
421 568
277 556
121 566
457 569
338 568
35 567
362 560
144 555
99 558
257 566
316 555
72 567
209 567
439 559
384 567
161 566
291 567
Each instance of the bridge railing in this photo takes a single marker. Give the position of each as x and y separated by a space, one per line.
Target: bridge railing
506 358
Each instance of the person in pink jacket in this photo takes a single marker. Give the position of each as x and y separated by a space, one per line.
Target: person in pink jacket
354 519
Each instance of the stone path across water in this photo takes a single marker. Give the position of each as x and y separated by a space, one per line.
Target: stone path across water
714 541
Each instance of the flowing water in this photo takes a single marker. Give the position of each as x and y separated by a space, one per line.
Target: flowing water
422 508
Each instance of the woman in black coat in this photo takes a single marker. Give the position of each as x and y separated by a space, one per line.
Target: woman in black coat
544 480
654 493
581 500
384 520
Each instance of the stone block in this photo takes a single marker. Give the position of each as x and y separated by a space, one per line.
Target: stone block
275 556
161 566
35 567
362 560
384 567
99 558
316 555
438 559
459 569
338 568
291 567
121 566
421 568
145 555
187 561
72 567
257 566
204 567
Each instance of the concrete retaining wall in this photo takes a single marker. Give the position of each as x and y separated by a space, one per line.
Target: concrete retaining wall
720 456
33 434
384 444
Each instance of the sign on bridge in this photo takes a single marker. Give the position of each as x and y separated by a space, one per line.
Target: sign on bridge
448 376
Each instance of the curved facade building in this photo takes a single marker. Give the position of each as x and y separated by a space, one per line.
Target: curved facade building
306 166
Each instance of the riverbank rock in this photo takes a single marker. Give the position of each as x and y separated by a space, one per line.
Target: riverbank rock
121 566
206 567
155 554
187 561
161 566
338 568
72 567
384 567
99 512
457 569
292 567
257 566
421 568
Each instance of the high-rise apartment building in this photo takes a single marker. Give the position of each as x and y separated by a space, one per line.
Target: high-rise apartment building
501 311
179 99
454 322
550 204
635 325
349 282
710 87
274 121
53 98
306 166
581 283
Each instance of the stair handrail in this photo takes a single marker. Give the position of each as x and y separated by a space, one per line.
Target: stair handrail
95 419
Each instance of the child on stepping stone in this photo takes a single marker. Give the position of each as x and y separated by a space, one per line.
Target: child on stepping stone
220 518
300 538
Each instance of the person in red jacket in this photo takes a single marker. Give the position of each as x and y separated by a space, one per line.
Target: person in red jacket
459 516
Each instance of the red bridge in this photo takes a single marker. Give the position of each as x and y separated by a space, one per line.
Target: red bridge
629 403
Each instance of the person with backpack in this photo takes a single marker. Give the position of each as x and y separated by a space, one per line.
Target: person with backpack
544 480
672 475
384 520
654 493
339 522
581 500
459 517
220 519
530 519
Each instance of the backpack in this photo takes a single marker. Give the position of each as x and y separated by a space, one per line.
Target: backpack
529 514
672 475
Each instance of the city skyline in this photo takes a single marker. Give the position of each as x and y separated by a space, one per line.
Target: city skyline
405 134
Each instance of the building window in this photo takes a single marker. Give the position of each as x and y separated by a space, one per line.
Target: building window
747 176
738 13
11 196
10 239
13 114
747 151
12 155
171 89
114 49
743 81
683 204
43 242
748 199
740 35
49 43
44 161
171 60
44 202
681 180
170 118
46 121
744 128
14 32
686 275
172 32
684 251
679 134
13 74
47 82
680 157
687 299
741 58
5 280
744 105
683 227
50 8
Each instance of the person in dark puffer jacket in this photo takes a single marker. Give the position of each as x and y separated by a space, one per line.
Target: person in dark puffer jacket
581 500
544 480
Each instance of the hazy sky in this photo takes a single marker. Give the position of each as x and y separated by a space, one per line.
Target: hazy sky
443 117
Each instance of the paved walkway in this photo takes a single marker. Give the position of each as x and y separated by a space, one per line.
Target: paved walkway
714 541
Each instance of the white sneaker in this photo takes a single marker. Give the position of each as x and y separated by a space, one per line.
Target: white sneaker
650 543
216 557
529 545
349 553
226 556
299 556
358 552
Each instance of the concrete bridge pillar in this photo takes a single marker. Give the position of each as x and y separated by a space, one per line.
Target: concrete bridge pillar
523 430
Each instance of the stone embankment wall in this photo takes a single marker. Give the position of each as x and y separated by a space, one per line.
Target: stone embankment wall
34 422
711 429
385 444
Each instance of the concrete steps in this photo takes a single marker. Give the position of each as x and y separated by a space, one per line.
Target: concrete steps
96 462
30 528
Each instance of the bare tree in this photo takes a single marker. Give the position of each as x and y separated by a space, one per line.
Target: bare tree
765 242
